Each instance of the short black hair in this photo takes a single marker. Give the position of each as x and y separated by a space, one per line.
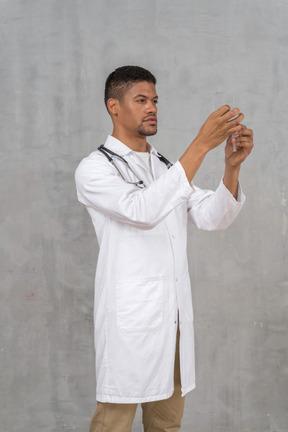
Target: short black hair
122 78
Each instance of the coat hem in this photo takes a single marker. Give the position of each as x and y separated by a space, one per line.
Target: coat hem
188 389
128 399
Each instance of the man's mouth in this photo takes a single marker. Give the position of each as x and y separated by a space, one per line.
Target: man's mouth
152 120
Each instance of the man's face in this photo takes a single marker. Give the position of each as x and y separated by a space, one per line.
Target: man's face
138 109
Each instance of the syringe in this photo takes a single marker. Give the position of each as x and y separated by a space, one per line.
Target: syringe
234 136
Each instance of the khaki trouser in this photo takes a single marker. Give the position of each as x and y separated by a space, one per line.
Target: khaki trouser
159 416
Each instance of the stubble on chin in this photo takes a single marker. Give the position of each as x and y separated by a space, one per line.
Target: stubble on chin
145 132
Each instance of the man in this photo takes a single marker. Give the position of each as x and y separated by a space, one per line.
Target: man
139 206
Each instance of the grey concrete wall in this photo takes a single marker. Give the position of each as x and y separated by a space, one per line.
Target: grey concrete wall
55 56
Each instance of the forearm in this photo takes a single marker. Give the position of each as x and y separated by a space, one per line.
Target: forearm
231 178
193 158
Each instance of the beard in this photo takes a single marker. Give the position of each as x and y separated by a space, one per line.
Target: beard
147 130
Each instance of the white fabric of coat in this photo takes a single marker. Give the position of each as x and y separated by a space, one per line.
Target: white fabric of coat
142 279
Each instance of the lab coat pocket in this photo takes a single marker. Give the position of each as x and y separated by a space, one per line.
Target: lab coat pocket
140 304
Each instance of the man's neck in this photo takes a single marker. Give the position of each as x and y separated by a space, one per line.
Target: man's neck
136 143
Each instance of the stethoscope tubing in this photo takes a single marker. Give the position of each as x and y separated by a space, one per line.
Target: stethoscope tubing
107 152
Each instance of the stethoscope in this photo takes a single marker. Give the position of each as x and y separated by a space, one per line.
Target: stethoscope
107 152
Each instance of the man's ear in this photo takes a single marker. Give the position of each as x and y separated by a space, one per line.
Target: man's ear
113 106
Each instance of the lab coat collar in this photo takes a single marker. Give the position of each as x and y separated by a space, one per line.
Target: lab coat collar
120 148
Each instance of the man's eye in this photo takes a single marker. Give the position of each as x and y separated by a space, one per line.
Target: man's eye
141 100
155 101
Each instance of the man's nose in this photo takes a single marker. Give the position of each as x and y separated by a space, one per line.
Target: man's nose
151 107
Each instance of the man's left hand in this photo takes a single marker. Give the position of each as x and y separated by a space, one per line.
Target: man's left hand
244 145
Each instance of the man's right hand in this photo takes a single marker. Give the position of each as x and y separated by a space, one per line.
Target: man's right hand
217 128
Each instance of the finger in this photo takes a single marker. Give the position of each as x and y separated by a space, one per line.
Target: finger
220 111
231 113
234 128
235 122
243 138
233 138
237 119
246 132
245 144
243 127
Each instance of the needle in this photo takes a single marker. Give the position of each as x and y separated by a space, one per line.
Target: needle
234 136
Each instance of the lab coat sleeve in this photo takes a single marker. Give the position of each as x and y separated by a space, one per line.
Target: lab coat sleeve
217 210
99 186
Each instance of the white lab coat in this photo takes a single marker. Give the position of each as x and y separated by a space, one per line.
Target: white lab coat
142 278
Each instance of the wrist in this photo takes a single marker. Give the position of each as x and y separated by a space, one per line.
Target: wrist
232 169
200 146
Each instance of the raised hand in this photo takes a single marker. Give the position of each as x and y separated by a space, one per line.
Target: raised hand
244 146
219 126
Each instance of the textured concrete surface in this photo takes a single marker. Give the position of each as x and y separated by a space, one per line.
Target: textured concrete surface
55 56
